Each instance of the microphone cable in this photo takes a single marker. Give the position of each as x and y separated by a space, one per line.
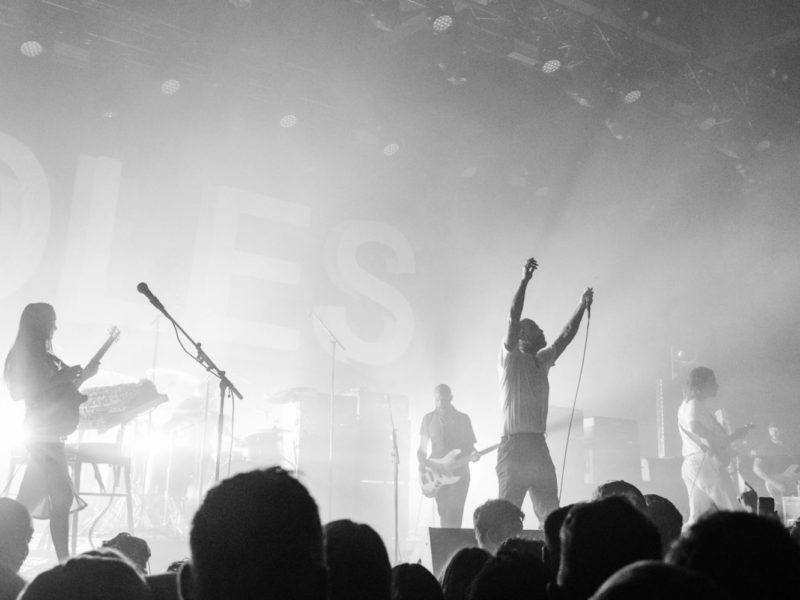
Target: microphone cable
574 404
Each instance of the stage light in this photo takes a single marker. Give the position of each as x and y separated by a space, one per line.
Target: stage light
391 149
632 96
551 66
170 87
288 121
442 23
31 49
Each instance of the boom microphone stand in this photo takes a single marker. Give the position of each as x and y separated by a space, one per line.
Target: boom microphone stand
334 342
226 386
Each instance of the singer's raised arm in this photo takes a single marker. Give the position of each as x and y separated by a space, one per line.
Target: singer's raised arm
512 335
574 323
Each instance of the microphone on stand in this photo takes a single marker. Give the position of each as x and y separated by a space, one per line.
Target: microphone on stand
145 291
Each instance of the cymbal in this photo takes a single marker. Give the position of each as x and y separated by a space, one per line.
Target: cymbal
292 395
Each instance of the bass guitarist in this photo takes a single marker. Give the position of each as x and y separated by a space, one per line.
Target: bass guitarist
50 391
446 429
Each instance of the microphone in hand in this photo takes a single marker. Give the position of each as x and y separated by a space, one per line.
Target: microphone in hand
588 298
145 291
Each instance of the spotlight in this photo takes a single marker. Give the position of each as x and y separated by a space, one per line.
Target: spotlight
440 14
442 23
288 121
391 149
632 96
551 66
31 49
170 87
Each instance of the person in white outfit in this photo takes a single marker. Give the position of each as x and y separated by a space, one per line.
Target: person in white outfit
706 448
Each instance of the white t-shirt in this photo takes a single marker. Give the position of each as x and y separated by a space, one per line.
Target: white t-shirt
693 410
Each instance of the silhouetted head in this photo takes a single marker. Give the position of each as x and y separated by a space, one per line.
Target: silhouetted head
99 575
655 580
11 584
701 384
442 397
666 517
552 538
495 521
134 548
621 488
531 337
746 555
414 582
358 565
511 576
256 535
461 570
599 538
16 531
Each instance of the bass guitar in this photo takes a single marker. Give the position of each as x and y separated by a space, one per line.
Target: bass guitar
439 472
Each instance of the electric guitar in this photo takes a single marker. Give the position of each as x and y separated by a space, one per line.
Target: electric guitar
723 454
786 479
59 414
440 473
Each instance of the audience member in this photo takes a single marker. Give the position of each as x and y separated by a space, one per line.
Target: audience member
460 572
666 517
552 538
97 575
655 580
256 535
414 582
511 575
10 583
494 522
358 565
134 548
746 555
523 546
621 488
794 531
16 531
599 538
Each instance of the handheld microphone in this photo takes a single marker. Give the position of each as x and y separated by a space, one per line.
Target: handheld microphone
589 306
145 291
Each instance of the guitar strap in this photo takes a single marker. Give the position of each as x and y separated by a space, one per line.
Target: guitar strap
695 438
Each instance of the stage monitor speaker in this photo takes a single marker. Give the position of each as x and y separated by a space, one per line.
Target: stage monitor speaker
447 541
612 450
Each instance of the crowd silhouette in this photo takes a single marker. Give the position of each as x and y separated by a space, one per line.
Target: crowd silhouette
258 535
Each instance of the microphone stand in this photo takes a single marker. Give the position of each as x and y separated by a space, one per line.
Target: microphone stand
334 342
226 386
396 464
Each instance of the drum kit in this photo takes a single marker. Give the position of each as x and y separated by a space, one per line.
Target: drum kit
179 466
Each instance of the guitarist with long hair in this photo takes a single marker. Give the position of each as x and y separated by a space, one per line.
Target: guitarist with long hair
447 429
50 390
706 447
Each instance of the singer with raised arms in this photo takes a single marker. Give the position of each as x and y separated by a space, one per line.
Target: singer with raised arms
524 464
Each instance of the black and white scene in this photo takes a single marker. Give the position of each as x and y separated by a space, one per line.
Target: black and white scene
399 299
